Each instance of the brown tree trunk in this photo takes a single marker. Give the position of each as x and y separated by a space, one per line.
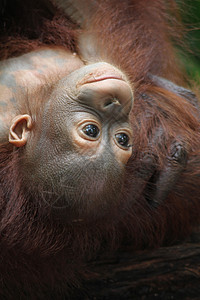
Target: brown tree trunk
165 273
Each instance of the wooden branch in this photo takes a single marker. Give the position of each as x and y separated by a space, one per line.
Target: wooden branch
165 273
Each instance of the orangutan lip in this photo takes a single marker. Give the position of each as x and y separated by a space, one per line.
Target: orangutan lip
95 79
90 78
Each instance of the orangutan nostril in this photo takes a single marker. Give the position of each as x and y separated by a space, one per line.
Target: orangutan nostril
111 102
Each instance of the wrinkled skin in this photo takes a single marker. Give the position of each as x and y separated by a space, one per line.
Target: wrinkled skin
59 155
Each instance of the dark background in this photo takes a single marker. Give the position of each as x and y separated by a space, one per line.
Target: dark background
190 12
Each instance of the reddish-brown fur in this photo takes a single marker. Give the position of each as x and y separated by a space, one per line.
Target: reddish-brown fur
42 257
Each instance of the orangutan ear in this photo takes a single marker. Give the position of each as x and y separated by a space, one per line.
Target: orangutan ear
20 130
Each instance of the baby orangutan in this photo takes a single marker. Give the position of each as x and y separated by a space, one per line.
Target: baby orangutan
74 128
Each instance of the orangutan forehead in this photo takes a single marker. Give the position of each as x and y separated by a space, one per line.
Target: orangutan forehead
15 84
32 74
31 69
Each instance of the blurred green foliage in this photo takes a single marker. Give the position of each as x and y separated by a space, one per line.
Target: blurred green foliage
190 13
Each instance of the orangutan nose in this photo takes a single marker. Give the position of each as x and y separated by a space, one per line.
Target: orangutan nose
111 95
105 88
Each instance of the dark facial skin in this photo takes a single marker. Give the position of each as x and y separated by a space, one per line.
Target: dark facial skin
78 156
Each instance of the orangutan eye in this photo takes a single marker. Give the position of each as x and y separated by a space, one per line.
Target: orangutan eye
91 130
122 139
